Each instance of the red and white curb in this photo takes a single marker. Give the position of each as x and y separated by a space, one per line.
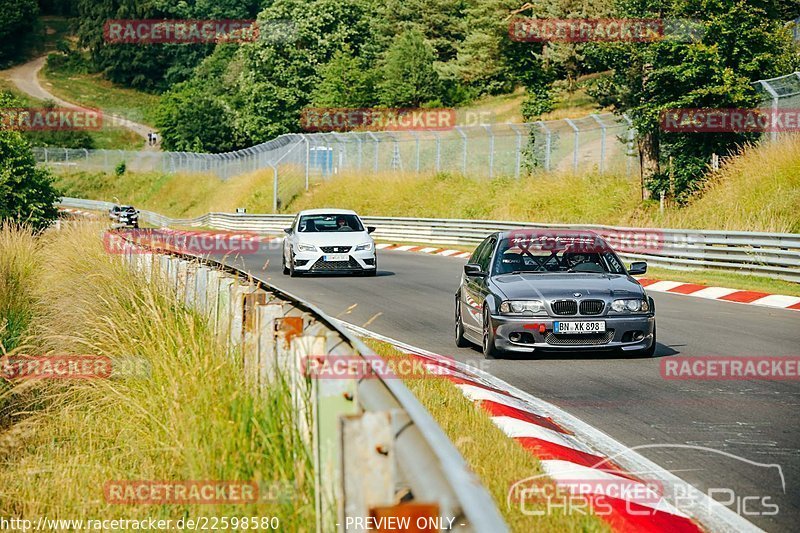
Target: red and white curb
433 250
722 294
569 449
78 212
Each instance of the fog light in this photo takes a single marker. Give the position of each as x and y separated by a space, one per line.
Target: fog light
638 335
514 337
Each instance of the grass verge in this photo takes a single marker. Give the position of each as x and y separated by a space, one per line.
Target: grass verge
182 415
93 91
496 459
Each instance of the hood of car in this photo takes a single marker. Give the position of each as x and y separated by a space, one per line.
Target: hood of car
334 238
549 286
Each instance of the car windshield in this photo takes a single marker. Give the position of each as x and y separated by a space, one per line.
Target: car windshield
556 254
319 223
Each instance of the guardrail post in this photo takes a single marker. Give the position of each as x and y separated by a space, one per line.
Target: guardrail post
190 296
301 347
238 293
251 333
222 322
201 288
368 464
267 316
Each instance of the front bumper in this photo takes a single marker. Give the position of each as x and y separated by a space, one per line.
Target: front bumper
518 334
314 262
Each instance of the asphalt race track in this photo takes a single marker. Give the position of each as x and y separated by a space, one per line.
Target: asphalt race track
411 300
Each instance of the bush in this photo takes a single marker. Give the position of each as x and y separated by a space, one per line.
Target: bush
27 193
120 169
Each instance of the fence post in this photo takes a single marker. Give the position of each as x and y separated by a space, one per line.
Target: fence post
416 139
308 148
377 142
775 96
274 188
491 149
602 142
519 149
576 144
464 154
548 143
438 151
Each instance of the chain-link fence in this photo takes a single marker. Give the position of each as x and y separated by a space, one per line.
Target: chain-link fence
603 142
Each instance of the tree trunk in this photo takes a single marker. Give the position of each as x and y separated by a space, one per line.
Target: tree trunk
649 151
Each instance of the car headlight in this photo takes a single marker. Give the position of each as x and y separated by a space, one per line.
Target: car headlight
522 307
306 247
630 306
365 246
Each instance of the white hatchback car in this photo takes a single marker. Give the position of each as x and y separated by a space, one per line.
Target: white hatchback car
329 240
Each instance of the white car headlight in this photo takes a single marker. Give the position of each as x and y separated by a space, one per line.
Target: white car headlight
365 246
306 247
522 307
630 306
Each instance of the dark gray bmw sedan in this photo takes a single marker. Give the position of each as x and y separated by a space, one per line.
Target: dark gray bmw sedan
552 290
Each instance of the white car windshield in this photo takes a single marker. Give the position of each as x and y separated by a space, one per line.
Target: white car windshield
320 223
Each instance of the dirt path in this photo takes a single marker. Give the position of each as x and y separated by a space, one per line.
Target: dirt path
26 78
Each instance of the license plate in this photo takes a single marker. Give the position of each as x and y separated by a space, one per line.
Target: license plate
336 257
595 326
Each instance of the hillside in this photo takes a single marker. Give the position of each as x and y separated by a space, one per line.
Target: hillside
758 191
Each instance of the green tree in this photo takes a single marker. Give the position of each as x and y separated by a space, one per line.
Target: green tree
27 193
345 81
409 78
191 119
740 44
17 20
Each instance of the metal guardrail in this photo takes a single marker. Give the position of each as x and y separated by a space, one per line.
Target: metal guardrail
371 440
764 254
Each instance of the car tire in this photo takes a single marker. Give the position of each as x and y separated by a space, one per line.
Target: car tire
490 351
461 341
285 267
292 272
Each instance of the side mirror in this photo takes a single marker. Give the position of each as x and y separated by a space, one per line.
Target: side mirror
370 229
473 270
637 268
288 231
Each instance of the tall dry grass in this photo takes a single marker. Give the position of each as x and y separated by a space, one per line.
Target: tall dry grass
19 262
176 407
